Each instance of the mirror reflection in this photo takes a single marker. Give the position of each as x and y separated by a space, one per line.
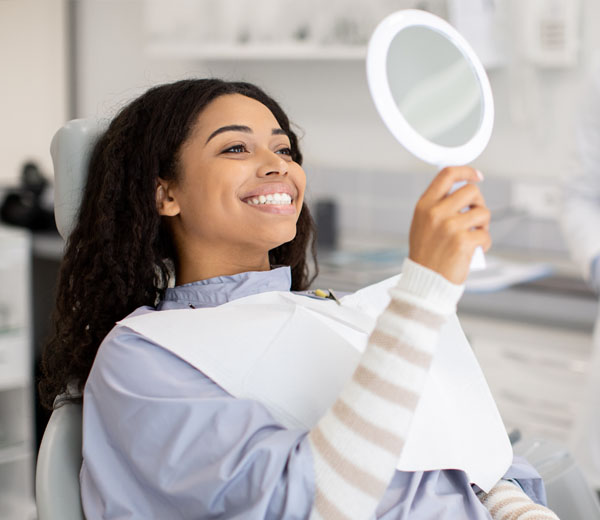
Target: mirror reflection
434 86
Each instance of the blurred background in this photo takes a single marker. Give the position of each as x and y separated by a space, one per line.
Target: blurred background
529 317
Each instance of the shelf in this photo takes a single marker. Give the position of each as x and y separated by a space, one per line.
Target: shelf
266 52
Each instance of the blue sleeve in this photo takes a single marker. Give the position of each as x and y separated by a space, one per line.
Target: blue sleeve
161 440
528 478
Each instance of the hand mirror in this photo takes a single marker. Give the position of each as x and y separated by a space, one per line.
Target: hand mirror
431 91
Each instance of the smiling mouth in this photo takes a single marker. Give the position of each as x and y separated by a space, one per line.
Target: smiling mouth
279 199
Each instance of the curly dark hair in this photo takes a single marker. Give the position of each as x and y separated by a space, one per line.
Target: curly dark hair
120 255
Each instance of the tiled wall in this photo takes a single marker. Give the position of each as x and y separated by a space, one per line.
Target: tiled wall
382 203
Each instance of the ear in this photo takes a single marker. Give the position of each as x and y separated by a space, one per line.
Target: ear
166 204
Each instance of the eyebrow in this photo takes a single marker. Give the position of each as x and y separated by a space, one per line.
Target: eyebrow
241 128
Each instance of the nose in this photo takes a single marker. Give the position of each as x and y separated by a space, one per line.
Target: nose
272 163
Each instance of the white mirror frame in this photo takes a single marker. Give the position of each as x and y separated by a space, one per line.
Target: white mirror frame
414 142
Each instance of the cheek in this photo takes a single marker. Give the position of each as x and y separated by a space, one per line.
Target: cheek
300 180
211 192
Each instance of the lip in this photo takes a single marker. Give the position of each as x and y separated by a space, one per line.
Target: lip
269 189
275 209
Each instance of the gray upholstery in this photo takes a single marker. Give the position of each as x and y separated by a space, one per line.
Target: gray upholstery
569 494
59 458
71 149
57 493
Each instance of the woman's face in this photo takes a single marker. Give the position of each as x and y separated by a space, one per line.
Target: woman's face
239 191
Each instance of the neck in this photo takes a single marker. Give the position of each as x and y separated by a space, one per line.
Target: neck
193 267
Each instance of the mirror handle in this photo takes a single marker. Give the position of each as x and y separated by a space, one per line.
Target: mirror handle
478 258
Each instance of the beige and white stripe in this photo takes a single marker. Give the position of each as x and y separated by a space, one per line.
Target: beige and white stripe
359 425
414 378
400 349
340 491
384 415
358 442
507 501
401 329
408 311
379 453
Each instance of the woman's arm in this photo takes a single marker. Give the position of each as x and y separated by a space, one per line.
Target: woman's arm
507 501
358 443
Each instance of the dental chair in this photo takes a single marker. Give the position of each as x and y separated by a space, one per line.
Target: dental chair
57 482
59 460
568 492
57 492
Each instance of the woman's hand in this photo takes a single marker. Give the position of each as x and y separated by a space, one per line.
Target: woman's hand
443 236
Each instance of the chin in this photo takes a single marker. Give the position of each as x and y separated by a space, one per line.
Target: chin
283 239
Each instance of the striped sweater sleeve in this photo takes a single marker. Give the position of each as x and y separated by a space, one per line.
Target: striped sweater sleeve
507 501
358 442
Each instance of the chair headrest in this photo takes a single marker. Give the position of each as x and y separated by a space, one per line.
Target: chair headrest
70 149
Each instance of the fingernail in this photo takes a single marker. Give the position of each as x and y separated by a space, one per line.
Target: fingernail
480 175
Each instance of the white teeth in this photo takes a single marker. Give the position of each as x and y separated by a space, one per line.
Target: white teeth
271 198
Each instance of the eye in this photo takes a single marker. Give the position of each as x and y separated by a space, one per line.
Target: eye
285 151
238 148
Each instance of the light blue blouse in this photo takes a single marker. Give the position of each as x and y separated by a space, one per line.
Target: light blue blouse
163 441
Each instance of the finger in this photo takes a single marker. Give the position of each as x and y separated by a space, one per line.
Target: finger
480 238
441 184
468 241
468 196
474 218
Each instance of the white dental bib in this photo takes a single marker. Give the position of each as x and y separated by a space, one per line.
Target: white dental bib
294 354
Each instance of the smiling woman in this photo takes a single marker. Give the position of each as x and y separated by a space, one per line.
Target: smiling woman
195 200
239 192
126 248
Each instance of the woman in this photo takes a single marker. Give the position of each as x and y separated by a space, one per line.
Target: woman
201 181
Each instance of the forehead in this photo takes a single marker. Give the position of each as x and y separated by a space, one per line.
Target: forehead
234 109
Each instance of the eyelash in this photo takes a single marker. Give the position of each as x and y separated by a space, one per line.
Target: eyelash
239 148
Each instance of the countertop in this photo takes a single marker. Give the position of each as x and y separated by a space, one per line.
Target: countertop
555 294
560 299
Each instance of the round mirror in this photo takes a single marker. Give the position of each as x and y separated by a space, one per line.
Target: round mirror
430 88
438 96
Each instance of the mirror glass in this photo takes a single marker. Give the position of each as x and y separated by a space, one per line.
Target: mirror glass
434 86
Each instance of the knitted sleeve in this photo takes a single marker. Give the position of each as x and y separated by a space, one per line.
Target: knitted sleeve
507 501
358 442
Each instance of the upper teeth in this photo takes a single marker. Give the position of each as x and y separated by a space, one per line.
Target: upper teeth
271 198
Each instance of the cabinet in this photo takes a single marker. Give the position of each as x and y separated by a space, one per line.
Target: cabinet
536 372
16 385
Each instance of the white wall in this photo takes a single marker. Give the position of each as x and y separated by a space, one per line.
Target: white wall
348 152
341 126
330 100
33 89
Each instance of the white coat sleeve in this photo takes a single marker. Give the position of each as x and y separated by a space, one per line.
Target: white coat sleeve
581 212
